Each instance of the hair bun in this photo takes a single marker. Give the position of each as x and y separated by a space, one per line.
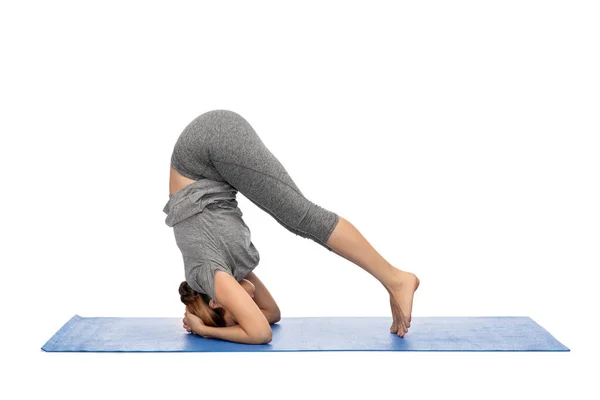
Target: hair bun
188 295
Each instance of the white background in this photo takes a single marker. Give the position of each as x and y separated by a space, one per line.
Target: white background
461 139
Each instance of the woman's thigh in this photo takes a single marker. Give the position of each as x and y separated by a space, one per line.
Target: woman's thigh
222 145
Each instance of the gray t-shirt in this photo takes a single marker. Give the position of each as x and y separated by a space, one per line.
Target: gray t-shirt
211 234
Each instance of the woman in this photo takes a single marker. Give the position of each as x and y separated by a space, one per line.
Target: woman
217 155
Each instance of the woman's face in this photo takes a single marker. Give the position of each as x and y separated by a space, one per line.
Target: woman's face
229 319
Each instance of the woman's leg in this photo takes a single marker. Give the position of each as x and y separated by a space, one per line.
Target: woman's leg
347 241
221 145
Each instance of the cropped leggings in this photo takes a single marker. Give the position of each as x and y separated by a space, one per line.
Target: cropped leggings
222 146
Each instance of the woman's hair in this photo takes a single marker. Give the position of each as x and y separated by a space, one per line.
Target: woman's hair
198 304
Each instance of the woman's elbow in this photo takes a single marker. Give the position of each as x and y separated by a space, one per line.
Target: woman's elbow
267 338
262 338
275 317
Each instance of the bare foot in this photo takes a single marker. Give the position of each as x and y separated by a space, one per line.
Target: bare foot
401 300
398 325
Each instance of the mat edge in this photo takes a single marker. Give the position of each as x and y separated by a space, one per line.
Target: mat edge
47 347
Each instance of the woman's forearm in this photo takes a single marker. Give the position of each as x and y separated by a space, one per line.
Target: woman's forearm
233 333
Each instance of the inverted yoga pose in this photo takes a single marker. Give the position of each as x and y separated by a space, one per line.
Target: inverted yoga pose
217 155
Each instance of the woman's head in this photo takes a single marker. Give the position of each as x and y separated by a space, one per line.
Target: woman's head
208 310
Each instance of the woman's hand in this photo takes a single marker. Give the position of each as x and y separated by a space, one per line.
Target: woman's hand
192 323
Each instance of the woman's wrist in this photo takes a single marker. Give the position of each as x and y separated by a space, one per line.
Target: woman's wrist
199 330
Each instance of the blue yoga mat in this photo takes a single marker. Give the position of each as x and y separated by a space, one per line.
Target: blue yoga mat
142 334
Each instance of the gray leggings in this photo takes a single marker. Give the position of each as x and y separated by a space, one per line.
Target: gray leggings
222 146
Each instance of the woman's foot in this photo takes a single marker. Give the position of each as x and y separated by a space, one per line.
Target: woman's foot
401 292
